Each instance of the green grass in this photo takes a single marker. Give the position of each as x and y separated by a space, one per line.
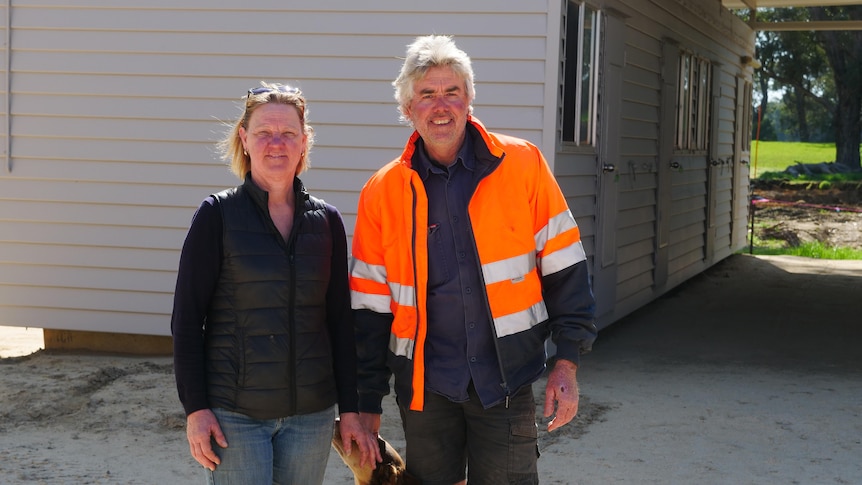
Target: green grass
807 250
769 159
775 156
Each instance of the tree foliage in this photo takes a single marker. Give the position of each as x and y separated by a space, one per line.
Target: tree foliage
820 76
844 52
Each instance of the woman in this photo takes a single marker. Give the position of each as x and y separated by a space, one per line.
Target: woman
263 335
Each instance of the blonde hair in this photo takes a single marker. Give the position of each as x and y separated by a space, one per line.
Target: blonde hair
427 52
231 148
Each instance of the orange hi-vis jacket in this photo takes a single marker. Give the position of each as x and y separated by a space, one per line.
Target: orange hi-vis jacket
523 231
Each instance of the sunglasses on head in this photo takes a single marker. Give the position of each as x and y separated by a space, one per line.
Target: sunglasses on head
279 88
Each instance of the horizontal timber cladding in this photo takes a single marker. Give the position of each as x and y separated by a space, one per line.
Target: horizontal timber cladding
675 212
116 107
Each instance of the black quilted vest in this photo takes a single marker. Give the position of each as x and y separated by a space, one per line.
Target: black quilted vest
268 346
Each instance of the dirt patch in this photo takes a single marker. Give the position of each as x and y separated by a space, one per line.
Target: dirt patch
92 419
791 214
86 398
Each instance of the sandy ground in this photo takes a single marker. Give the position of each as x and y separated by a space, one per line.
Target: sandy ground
749 374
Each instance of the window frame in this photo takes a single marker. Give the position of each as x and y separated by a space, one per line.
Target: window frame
579 103
694 103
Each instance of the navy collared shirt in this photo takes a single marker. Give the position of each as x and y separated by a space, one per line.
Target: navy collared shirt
460 343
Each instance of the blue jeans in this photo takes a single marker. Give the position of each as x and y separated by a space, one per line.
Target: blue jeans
285 451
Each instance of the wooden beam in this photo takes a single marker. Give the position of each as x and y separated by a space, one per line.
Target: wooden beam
808 26
107 342
745 4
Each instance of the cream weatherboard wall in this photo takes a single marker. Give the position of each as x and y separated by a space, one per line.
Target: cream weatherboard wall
662 212
113 108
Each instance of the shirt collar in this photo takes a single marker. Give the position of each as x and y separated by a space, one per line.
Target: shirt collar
424 166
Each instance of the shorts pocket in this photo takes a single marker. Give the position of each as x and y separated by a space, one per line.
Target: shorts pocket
523 453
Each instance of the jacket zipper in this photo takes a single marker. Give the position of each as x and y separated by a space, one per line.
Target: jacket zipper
291 324
415 273
415 291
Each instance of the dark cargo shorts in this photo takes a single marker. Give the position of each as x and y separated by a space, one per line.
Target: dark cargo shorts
496 446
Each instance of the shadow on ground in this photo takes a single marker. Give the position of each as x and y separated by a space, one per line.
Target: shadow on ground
775 311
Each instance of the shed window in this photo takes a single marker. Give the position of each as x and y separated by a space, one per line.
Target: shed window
692 121
582 31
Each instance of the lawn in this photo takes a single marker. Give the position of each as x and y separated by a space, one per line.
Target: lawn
776 156
769 159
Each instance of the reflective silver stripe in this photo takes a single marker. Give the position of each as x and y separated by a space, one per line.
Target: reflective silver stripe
557 225
520 321
402 294
372 272
562 259
509 269
368 301
402 347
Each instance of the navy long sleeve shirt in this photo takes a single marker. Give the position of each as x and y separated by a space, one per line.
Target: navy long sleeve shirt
460 344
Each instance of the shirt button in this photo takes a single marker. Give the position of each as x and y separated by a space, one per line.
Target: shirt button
468 290
461 254
472 325
455 219
472 359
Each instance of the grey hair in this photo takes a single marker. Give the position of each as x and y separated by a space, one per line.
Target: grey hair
424 53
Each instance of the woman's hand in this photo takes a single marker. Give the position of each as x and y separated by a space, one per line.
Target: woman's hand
201 428
351 429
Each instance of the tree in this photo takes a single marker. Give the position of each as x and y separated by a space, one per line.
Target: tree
795 62
819 72
766 130
844 51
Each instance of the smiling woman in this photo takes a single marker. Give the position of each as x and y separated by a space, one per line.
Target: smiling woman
18 341
264 347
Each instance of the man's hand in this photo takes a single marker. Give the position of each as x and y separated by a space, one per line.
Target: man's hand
351 428
371 423
562 391
201 427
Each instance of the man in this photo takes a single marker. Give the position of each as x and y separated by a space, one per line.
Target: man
466 259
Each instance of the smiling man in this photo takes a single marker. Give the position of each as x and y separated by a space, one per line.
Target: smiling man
466 259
